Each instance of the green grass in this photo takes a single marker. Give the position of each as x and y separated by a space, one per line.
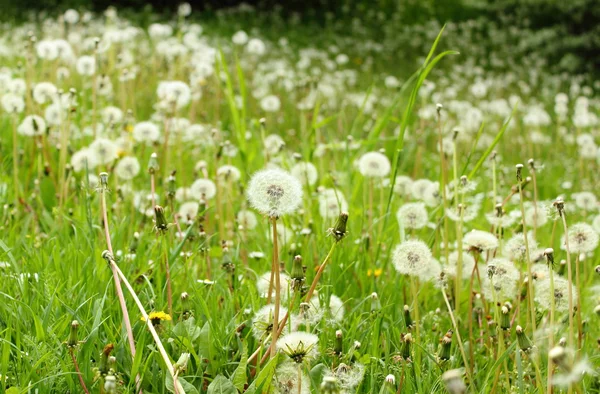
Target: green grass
52 269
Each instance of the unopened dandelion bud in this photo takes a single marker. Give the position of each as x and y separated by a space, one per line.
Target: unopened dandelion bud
153 163
562 342
73 340
559 204
454 382
562 267
505 318
389 384
499 210
181 364
597 310
597 269
375 303
106 255
455 134
338 231
405 349
297 269
439 107
227 261
185 305
110 384
337 348
171 186
103 366
525 343
519 168
407 318
549 253
103 179
559 356
329 385
159 216
446 346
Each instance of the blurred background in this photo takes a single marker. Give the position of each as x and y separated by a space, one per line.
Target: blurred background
566 32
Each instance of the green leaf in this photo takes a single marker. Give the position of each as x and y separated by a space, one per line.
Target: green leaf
265 375
316 373
205 342
239 377
221 385
13 390
187 386
187 329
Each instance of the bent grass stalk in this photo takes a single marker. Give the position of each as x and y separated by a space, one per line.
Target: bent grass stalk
119 290
109 257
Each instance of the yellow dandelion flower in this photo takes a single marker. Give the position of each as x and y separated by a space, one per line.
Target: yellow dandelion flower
376 273
157 317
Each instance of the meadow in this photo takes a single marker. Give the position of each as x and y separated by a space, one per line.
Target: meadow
252 204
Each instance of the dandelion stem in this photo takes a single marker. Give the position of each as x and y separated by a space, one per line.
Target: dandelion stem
275 272
551 328
579 322
319 273
81 382
569 276
15 160
527 255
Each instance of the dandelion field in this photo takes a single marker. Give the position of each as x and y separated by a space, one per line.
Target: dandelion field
248 204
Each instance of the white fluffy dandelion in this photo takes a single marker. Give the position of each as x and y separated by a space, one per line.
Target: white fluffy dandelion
146 132
582 238
305 172
501 280
247 219
374 165
189 210
262 323
412 215
127 168
480 241
274 192
262 285
287 381
228 173
32 126
104 150
413 257
299 346
514 248
203 188
543 297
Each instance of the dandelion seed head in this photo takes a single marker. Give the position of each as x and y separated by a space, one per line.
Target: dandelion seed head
412 215
274 192
203 188
413 257
514 249
480 240
543 295
299 346
582 238
374 165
